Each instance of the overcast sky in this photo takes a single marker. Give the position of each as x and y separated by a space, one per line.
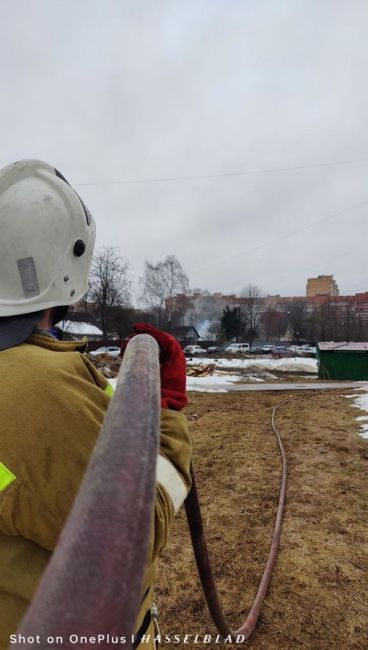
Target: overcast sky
267 99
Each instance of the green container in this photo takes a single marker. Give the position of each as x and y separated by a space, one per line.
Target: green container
340 364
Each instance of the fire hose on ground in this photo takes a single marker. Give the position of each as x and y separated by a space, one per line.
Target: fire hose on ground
108 527
203 561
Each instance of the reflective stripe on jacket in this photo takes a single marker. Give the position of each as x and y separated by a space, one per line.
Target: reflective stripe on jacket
52 405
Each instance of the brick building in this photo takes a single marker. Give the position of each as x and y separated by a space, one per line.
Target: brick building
323 285
323 293
182 303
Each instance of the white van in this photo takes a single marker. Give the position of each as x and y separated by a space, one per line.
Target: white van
238 347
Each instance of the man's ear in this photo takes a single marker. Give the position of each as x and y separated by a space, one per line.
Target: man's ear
45 321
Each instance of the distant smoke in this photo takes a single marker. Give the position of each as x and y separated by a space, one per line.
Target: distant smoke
204 312
205 329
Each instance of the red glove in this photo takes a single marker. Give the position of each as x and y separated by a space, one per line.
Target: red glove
172 365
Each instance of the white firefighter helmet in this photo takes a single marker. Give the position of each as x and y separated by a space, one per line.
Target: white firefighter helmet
46 239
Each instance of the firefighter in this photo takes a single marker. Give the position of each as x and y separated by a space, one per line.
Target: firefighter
52 399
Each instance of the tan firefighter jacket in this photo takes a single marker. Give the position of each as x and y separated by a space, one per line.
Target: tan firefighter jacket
53 402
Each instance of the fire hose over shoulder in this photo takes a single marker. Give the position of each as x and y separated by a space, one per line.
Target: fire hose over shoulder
92 585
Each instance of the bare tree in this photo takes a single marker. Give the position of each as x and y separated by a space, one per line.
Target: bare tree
163 280
109 283
251 309
297 320
338 321
270 322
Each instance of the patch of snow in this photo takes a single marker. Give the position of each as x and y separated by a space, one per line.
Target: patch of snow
305 365
86 329
361 402
259 373
254 379
211 383
269 375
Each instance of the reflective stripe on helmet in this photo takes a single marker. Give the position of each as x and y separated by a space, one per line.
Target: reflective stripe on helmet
169 478
6 477
47 239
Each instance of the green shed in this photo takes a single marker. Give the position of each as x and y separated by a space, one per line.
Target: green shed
343 361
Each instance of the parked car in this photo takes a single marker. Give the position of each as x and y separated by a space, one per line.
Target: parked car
281 352
194 351
256 349
111 350
306 351
238 347
214 348
267 349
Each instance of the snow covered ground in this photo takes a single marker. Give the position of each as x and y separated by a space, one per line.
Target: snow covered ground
287 365
78 329
361 402
211 383
218 384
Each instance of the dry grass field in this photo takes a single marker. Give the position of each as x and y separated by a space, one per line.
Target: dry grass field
318 598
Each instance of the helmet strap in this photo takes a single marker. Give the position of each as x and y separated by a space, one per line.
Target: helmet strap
59 313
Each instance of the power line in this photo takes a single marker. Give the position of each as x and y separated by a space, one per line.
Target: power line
326 261
282 237
169 179
306 267
356 289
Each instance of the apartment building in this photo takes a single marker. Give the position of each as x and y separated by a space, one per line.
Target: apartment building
323 285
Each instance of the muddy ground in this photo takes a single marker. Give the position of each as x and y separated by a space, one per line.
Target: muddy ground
318 598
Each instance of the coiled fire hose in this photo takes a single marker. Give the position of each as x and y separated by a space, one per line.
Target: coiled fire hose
92 584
